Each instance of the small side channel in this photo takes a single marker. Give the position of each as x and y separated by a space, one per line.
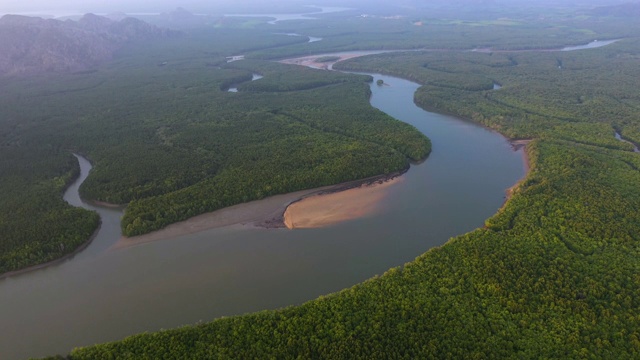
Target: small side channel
619 137
234 87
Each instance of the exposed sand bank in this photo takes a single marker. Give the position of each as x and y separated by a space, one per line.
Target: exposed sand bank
323 210
311 61
303 209
265 213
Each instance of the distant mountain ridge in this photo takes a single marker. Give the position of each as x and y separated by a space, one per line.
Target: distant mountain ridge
30 45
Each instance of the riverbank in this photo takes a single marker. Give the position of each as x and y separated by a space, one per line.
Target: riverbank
321 211
70 187
312 60
268 213
520 144
57 261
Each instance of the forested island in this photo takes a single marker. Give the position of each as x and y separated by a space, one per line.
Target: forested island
553 274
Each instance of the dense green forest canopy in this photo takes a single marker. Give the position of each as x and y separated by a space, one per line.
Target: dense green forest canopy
555 274
135 118
580 96
168 139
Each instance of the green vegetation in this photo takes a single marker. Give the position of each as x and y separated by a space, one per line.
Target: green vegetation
171 143
355 33
266 144
36 225
281 78
579 96
554 274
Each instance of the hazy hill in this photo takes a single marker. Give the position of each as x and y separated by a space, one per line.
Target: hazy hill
30 45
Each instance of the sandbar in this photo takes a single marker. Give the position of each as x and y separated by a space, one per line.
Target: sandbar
260 213
266 213
311 60
329 209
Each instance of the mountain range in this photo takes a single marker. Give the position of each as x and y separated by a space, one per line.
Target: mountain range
31 45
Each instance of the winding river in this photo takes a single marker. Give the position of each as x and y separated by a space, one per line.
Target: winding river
104 294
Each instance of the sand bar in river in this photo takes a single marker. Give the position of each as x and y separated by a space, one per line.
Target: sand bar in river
324 210
268 212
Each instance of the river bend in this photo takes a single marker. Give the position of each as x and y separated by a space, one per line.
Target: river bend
104 294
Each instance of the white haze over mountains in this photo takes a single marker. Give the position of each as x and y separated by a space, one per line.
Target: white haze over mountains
58 8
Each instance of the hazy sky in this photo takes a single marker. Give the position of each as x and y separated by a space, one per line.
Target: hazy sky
56 7
66 7
82 6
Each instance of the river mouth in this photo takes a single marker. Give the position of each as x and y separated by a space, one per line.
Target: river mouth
235 270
